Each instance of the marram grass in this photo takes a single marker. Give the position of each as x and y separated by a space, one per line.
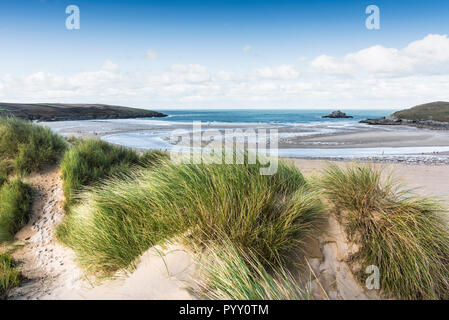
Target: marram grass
90 161
15 207
10 276
232 273
403 234
26 147
120 219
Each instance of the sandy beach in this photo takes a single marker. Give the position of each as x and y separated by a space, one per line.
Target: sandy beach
299 136
331 141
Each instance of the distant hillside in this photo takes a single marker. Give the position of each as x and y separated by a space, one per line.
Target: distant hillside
433 115
436 111
62 112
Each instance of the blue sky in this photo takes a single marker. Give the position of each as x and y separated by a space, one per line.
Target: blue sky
199 34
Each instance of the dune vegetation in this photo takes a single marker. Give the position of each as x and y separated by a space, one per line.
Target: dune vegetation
266 220
200 204
10 276
151 158
3 179
90 161
232 273
26 147
406 236
15 206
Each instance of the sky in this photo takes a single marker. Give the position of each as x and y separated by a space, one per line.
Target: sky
226 54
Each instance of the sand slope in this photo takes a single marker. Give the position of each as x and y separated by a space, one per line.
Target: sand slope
52 271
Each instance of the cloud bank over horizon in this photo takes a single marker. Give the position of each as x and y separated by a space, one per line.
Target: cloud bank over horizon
374 77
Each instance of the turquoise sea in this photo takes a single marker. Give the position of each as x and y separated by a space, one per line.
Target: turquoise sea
267 116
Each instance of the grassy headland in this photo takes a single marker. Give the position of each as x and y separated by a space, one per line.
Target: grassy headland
64 112
435 111
433 115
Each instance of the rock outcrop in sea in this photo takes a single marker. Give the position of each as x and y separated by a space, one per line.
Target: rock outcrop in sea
337 115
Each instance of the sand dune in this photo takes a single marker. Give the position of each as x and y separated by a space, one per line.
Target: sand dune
170 272
52 272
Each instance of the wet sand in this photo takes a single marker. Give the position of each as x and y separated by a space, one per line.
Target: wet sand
321 136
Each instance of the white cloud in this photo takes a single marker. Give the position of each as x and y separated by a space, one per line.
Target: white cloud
108 65
434 47
152 54
246 48
225 75
188 68
426 56
282 72
180 73
372 77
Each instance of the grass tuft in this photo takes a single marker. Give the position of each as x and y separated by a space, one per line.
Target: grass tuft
10 276
153 157
236 274
26 147
406 236
119 220
3 180
89 161
15 199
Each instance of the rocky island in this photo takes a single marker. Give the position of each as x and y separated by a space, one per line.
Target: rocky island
337 115
64 112
433 115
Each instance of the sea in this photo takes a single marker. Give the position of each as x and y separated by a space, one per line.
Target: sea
268 116
290 123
